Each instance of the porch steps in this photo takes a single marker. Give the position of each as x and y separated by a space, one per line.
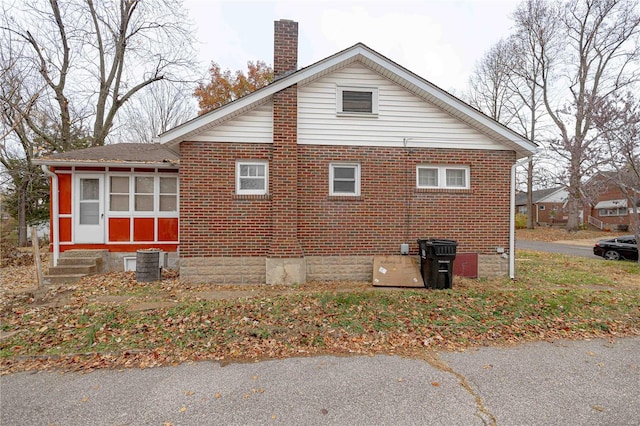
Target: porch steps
75 264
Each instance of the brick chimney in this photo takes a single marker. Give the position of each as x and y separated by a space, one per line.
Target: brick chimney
285 258
285 47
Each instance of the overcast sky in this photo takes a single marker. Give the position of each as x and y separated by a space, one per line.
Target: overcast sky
439 40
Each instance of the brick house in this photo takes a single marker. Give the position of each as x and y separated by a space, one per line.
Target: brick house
549 205
607 205
311 176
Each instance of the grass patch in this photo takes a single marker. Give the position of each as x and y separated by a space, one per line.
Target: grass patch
554 297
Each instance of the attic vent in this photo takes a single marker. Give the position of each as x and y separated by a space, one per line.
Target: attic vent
357 100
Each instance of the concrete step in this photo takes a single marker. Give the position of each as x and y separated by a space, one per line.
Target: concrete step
79 261
61 279
84 253
73 269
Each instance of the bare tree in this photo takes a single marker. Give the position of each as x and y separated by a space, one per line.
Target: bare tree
586 50
504 85
158 108
618 121
491 88
92 57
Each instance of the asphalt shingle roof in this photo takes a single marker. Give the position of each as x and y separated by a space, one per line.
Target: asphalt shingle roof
121 152
521 197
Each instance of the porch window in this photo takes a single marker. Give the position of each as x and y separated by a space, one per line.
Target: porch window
119 194
143 197
168 194
620 211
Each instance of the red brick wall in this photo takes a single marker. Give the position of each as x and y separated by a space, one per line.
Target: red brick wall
544 216
285 46
215 222
376 222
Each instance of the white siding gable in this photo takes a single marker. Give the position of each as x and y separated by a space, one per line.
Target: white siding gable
401 114
255 126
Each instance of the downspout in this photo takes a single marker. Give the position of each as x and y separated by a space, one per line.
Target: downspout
55 235
512 219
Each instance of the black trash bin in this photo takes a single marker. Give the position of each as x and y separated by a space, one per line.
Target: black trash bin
436 262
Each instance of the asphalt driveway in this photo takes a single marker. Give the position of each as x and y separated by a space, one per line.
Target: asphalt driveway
565 382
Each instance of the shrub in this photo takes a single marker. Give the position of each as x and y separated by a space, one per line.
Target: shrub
521 221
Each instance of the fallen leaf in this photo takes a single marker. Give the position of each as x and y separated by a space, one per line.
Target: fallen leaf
597 407
436 384
85 399
218 395
183 409
400 379
324 411
255 377
273 417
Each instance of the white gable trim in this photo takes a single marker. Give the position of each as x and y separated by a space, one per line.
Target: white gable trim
378 63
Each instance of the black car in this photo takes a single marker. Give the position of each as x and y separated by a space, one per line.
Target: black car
617 248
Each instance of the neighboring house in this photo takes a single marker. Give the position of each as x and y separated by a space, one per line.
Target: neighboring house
305 179
549 205
608 206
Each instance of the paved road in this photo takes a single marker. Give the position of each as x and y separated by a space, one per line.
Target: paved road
569 249
568 383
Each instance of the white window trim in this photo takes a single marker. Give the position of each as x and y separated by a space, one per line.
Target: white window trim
252 191
619 211
374 99
357 178
442 176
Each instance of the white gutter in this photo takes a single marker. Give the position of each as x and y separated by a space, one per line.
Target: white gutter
55 235
512 219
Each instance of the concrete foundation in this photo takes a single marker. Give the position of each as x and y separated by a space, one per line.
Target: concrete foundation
492 265
261 270
223 270
286 271
339 268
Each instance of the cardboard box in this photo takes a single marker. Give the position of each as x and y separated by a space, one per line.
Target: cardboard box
397 271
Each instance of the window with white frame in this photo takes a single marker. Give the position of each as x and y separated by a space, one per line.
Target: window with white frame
432 176
119 193
344 179
143 193
252 177
357 100
621 211
168 196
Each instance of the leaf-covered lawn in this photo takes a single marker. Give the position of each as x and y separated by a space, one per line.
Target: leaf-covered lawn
110 320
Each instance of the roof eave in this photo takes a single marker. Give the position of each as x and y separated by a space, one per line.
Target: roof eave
105 163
